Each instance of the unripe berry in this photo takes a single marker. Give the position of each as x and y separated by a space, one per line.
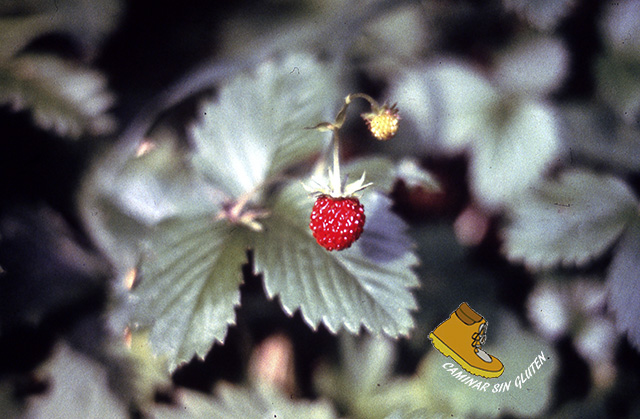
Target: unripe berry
384 123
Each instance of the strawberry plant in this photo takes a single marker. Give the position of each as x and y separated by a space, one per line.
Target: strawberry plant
263 208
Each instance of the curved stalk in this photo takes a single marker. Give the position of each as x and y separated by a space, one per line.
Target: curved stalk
374 105
336 182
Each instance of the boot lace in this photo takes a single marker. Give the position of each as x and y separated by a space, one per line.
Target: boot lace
478 340
480 337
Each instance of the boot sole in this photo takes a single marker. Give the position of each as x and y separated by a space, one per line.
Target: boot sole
447 351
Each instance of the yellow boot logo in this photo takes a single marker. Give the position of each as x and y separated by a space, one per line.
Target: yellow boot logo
461 337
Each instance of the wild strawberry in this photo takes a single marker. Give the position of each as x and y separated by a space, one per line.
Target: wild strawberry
337 222
337 218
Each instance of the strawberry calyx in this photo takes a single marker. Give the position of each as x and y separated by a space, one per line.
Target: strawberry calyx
341 190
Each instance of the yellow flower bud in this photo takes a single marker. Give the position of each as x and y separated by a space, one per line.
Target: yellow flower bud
383 124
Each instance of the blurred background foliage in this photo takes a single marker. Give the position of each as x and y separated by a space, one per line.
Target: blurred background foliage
131 129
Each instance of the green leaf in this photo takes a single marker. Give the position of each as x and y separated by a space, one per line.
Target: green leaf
124 194
462 100
241 402
190 278
533 65
89 21
568 221
551 308
98 19
369 362
616 70
79 389
135 373
388 33
18 32
515 152
379 171
414 414
160 184
366 365
413 175
64 98
255 128
511 138
623 283
618 85
366 285
621 29
541 14
593 133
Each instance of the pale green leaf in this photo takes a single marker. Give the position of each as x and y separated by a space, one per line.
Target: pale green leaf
594 134
414 414
541 14
463 99
560 307
411 91
89 21
260 402
367 362
64 98
367 285
379 171
79 389
366 365
17 32
389 33
255 127
511 139
190 277
444 104
621 28
623 283
159 184
569 221
617 70
138 374
414 175
533 65
125 193
549 308
515 153
618 85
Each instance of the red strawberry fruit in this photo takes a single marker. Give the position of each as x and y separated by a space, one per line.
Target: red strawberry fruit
337 222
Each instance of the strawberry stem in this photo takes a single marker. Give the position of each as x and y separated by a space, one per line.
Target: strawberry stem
336 182
374 105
